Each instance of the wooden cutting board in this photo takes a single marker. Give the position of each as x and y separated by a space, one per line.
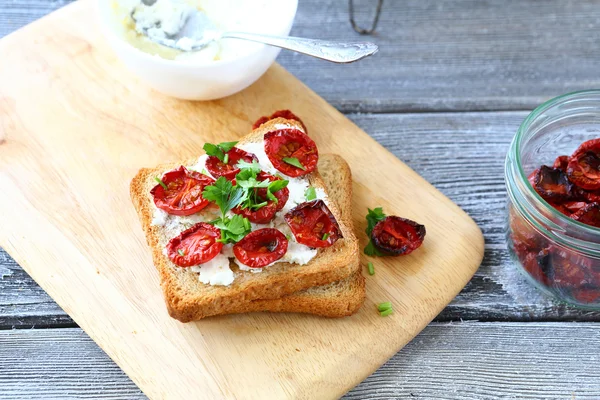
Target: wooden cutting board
75 127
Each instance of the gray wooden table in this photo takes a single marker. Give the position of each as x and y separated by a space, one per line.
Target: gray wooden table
446 92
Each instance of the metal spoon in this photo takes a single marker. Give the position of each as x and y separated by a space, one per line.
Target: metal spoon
198 32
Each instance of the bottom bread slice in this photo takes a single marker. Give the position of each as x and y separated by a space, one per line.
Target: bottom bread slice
337 299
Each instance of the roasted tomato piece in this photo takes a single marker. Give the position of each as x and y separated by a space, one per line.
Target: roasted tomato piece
537 265
195 246
261 247
286 147
552 184
590 196
266 213
218 168
287 114
589 215
586 295
183 192
573 206
313 224
584 165
561 163
397 236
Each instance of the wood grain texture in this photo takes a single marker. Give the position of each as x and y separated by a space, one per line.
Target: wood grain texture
435 55
478 361
429 144
81 148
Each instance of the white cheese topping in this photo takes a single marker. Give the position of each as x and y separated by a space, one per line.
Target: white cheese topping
217 270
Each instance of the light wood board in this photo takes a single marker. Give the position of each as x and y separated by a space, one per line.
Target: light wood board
76 126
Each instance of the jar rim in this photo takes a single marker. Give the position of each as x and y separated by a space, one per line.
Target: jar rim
541 203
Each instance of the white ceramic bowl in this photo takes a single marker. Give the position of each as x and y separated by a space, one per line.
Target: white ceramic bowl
199 81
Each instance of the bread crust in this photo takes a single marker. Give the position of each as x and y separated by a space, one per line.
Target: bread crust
188 299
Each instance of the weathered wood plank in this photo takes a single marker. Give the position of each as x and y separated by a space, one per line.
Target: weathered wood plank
435 55
462 154
449 361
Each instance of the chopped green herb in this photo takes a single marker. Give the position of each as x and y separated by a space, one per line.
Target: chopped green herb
293 161
160 182
254 166
384 306
371 268
373 217
226 159
219 150
227 196
310 193
387 312
181 252
325 236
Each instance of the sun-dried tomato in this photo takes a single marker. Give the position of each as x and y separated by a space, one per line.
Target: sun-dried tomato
552 184
397 236
584 165
287 114
561 163
589 215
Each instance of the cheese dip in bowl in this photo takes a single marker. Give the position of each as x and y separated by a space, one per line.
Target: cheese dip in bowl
224 67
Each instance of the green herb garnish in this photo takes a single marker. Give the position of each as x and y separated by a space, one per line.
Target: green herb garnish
227 197
325 236
254 166
387 312
181 252
247 179
310 193
373 217
385 309
293 161
160 182
371 268
219 150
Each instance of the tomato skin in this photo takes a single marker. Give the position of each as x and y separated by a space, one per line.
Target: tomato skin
183 195
584 165
561 163
229 170
266 213
397 236
261 247
287 114
588 214
310 221
291 143
552 184
198 245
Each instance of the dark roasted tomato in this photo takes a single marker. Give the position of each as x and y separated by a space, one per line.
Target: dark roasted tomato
195 246
266 213
591 196
218 168
561 163
570 207
396 236
287 114
288 145
584 165
589 215
183 195
261 247
552 184
536 264
313 224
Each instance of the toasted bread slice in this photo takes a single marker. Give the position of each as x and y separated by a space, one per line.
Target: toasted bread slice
337 299
189 299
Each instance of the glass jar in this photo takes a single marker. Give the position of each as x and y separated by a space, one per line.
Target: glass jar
557 254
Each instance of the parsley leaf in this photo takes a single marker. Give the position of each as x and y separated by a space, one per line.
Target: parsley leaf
310 193
325 236
293 161
224 194
219 150
253 167
181 252
233 229
373 217
160 182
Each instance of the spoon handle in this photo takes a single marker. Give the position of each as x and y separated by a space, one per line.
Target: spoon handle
338 52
